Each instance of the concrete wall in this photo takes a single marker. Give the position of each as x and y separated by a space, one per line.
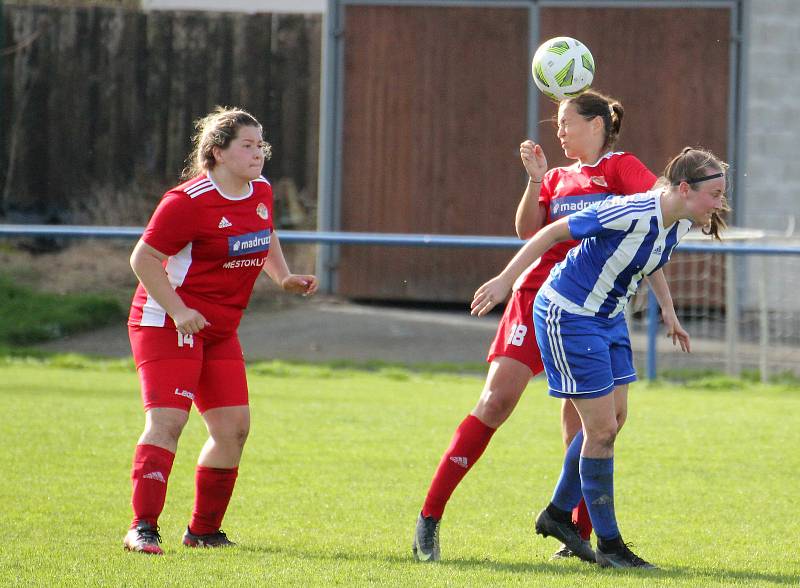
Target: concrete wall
769 196
771 190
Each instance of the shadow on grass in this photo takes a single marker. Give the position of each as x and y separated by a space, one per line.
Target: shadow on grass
725 576
459 563
689 574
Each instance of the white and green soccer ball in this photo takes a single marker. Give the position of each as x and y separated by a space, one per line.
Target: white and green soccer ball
562 67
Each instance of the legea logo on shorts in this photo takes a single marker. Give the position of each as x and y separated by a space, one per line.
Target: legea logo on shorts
248 243
184 393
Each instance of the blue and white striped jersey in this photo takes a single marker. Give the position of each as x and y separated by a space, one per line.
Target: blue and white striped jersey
623 239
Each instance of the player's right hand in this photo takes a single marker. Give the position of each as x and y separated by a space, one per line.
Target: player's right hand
188 321
675 331
533 159
489 295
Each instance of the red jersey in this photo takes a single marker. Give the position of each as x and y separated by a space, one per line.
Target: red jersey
216 247
569 189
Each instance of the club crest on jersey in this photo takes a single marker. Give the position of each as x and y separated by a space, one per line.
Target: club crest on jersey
248 243
599 180
262 211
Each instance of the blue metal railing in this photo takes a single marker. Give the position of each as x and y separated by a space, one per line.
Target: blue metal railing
408 240
354 238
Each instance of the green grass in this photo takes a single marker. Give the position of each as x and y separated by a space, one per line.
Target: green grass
339 460
28 316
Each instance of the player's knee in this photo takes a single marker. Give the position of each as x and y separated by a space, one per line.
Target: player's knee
604 437
232 435
164 432
164 428
240 434
608 438
494 407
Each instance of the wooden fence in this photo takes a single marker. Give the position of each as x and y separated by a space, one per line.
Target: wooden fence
99 101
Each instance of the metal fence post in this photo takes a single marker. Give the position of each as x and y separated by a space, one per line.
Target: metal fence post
763 323
731 316
652 335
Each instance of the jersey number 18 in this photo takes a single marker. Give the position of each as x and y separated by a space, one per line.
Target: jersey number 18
517 335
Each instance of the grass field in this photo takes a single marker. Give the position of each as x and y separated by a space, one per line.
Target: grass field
28 315
337 465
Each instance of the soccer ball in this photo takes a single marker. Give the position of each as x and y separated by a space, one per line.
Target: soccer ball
562 67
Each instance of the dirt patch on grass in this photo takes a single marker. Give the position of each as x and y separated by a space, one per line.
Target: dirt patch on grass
99 267
102 267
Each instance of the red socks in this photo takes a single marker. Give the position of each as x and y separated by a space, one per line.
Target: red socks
149 474
580 516
213 489
151 468
469 442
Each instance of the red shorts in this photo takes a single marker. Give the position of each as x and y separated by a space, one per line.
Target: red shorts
515 337
176 370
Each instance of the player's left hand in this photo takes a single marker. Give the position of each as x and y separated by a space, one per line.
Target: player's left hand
676 332
300 284
533 159
489 295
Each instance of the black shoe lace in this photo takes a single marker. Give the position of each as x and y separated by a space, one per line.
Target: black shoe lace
575 528
149 534
631 556
571 525
431 535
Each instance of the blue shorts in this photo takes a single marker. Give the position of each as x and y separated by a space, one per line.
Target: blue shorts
583 356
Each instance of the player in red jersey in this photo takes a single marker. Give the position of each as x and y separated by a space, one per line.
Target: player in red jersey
588 127
205 245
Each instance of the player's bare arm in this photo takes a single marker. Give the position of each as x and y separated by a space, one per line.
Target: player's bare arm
147 264
495 290
531 215
278 271
658 282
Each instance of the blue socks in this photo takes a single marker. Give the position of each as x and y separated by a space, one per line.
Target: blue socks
597 483
591 479
568 494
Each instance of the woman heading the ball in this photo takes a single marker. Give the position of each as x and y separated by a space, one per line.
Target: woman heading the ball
581 330
588 128
197 261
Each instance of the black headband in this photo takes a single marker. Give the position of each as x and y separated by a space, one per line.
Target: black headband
704 178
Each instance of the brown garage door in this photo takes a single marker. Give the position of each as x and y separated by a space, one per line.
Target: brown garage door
670 69
435 105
